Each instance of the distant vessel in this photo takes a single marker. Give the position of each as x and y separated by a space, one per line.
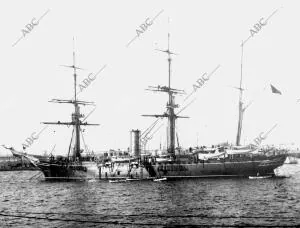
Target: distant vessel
225 161
291 160
15 163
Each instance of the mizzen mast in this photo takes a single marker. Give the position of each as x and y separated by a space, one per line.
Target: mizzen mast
241 107
170 113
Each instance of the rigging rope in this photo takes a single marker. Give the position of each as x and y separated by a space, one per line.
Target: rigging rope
86 149
150 127
71 143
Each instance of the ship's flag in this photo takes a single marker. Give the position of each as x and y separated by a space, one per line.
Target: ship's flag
274 90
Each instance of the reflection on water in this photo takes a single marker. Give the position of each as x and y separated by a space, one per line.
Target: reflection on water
27 202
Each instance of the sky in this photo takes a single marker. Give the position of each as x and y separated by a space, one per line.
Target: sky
203 34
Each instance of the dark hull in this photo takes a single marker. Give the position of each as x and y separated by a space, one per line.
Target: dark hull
90 170
244 167
69 172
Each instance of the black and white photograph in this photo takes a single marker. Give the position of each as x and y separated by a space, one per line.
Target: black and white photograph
150 113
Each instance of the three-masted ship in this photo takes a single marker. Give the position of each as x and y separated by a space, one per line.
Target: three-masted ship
223 161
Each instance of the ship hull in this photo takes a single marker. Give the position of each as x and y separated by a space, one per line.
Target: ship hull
218 167
69 172
91 170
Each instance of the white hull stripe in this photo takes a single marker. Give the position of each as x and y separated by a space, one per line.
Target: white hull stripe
221 163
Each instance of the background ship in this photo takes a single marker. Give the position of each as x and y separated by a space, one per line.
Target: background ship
224 161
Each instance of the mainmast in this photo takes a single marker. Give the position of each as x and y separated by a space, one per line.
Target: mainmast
170 113
170 107
76 116
241 108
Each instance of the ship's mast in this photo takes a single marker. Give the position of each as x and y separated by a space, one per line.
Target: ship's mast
170 113
76 122
170 107
76 115
241 108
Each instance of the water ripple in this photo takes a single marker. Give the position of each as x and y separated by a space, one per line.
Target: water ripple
28 202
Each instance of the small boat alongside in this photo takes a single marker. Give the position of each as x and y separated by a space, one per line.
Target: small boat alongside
259 177
160 179
133 179
117 181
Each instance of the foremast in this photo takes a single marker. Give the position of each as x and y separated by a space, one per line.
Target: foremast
76 116
171 105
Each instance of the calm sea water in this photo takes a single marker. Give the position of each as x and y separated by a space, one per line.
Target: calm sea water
32 202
